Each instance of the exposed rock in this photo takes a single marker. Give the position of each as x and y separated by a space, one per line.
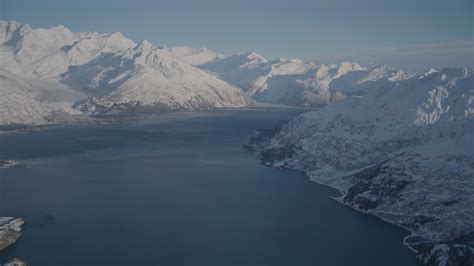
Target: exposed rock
10 231
16 262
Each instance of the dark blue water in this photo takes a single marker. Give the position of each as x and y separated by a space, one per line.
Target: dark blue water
177 189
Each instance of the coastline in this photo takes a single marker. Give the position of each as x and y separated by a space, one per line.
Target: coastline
457 251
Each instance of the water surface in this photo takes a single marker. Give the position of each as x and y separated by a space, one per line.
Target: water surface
177 189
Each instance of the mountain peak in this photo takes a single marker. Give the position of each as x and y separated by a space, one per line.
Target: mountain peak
9 23
428 72
256 56
251 59
7 27
144 46
296 61
383 67
346 67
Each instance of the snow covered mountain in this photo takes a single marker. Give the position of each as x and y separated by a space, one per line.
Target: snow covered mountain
295 82
120 76
33 101
49 70
146 78
403 152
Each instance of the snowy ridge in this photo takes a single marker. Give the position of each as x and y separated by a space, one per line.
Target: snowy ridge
403 152
195 56
48 53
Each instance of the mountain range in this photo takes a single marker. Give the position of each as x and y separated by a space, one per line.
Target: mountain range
45 71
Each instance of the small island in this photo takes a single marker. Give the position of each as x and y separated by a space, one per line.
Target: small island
7 163
10 231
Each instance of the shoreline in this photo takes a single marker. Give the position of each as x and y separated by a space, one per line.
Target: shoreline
125 118
427 251
436 232
338 199
251 149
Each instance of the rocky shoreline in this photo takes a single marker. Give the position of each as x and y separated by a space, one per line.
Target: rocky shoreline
365 191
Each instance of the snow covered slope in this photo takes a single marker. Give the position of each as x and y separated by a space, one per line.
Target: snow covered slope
403 152
31 101
195 56
17 103
239 69
146 78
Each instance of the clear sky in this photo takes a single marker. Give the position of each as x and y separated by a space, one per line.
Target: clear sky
413 34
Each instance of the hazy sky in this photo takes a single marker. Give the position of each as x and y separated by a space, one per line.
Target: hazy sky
413 34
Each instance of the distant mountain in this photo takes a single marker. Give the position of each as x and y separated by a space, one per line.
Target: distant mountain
295 82
403 152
